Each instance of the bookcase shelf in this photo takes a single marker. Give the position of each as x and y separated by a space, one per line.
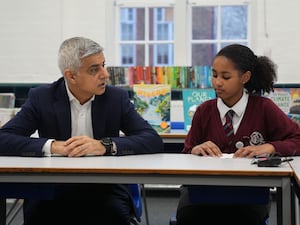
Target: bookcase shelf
21 90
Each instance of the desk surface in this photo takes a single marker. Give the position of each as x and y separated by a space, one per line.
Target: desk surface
141 164
149 169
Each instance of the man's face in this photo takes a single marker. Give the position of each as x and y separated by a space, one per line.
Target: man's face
91 79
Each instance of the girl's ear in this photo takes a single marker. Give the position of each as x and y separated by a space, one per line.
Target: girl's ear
246 77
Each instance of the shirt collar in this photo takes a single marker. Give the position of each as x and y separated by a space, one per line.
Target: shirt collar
238 108
73 98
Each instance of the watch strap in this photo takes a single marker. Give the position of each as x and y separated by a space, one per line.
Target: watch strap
109 146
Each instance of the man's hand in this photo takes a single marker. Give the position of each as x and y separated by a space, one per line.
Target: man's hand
78 146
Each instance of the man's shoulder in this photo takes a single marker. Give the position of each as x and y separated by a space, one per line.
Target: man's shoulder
113 90
45 89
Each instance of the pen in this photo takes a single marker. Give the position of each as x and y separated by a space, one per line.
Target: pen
287 160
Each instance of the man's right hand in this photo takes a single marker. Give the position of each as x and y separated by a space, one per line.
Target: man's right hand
58 147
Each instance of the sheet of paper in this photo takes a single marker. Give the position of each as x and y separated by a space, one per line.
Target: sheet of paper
227 155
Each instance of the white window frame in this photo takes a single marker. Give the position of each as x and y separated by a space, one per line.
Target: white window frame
182 25
218 3
138 4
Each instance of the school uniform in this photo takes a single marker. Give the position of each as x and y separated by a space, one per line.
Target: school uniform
257 120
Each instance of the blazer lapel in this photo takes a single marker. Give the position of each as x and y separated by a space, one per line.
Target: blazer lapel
98 116
63 112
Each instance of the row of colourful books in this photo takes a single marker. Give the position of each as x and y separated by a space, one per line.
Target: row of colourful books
175 76
153 102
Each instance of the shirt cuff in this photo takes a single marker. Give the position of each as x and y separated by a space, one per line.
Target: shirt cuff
114 148
47 147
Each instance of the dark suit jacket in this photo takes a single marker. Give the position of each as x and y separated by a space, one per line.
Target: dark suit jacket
47 110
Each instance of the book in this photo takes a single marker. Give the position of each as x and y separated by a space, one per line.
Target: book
152 102
295 117
202 76
119 76
192 98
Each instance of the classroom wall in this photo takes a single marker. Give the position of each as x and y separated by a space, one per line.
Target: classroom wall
32 30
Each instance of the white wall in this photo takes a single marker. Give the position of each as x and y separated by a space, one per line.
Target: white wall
32 30
278 36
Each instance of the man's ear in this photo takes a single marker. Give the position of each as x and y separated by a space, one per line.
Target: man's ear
246 77
69 75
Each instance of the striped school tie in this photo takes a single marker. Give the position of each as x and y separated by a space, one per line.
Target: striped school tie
228 127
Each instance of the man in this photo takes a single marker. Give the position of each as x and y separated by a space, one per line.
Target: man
75 116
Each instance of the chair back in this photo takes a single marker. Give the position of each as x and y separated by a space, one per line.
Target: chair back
137 199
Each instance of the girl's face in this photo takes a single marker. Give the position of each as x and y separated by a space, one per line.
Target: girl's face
227 81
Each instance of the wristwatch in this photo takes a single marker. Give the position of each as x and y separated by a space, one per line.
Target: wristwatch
109 146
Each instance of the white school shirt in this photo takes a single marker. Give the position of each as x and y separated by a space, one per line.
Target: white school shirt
239 110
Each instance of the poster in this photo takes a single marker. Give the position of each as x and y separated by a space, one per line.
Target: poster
192 98
153 103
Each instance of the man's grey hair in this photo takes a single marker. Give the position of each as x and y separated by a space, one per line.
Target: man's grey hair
73 50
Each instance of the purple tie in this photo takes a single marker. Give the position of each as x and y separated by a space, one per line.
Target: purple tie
228 126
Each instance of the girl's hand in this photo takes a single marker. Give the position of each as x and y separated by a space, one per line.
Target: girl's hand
254 150
207 148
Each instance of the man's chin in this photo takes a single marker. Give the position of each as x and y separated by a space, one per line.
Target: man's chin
101 90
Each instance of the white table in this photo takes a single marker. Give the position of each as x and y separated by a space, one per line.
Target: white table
150 169
295 164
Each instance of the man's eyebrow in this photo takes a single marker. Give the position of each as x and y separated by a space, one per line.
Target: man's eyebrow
94 65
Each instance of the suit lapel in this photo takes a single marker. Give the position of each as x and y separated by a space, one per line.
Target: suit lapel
62 112
98 116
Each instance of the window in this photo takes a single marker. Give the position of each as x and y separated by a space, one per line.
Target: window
146 34
215 26
146 28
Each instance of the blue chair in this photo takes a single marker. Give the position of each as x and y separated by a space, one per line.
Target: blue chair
138 194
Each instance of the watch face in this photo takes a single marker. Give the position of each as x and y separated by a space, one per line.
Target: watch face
106 141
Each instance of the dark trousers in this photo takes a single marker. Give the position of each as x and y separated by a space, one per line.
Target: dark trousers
81 205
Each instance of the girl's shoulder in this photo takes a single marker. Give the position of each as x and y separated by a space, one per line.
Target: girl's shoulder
208 106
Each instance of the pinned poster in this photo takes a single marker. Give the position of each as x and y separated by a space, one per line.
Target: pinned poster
288 100
152 102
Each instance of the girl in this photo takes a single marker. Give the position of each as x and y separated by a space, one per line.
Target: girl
255 126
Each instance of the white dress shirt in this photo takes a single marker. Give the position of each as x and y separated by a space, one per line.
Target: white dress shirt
81 120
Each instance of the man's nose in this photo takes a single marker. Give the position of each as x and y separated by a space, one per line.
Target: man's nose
104 73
